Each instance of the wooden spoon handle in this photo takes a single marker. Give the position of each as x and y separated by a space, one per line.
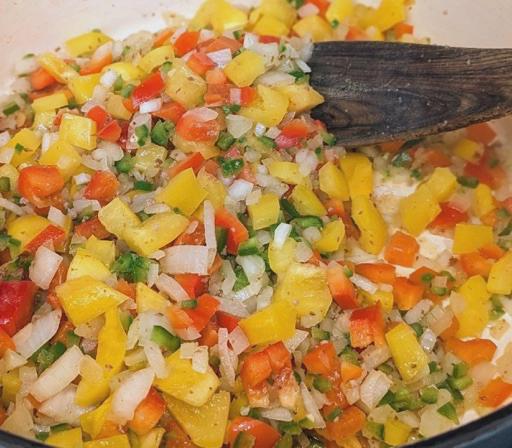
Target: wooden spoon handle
381 91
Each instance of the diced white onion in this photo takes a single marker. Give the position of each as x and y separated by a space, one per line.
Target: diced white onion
428 340
154 269
108 78
273 132
238 340
35 334
418 311
150 106
233 307
132 390
226 362
303 66
187 350
205 35
221 58
240 189
200 359
235 96
281 234
59 375
209 231
253 266
11 206
56 217
171 287
229 277
374 356
202 114
263 237
155 359
4 139
278 414
296 340
276 78
311 408
12 360
62 407
185 259
80 205
364 284
238 125
82 178
259 130
177 34
250 40
374 387
20 421
43 268
270 52
309 9
439 319
303 252
155 209
7 153
90 329
311 234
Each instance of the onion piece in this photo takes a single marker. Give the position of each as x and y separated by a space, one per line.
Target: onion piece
7 153
171 287
374 387
35 334
43 268
132 390
62 407
108 78
227 366
209 231
56 377
418 311
279 414
150 106
238 125
238 340
56 216
296 340
364 284
220 58
311 408
20 421
12 360
374 356
281 234
202 114
11 206
200 359
239 189
185 259
155 359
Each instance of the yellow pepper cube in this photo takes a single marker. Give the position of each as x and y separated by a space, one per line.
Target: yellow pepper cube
116 108
156 57
385 298
269 108
333 182
332 237
280 9
85 298
215 188
205 425
301 97
25 143
270 26
287 172
358 171
84 264
500 277
410 359
265 212
473 315
274 323
64 156
316 27
11 173
396 432
61 71
468 149
339 10
442 184
304 287
279 258
70 438
150 157
92 422
26 228
483 200
226 17
79 131
50 102
82 87
103 250
149 300
245 68
44 119
183 192
306 202
86 43
125 70
374 231
117 217
186 384
418 210
184 85
471 237
387 15
11 384
152 439
119 441
203 15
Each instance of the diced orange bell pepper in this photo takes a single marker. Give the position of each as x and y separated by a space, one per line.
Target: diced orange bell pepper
237 232
265 436
451 331
322 5
279 357
194 161
401 249
162 37
342 290
209 336
178 318
200 63
102 187
148 413
221 43
475 264
128 289
171 111
6 342
193 284
367 326
491 251
322 360
392 147
349 371
99 115
51 233
40 79
186 42
486 171
255 369
406 293
436 158
473 351
495 393
92 227
206 307
111 132
349 423
377 272
193 130
482 133
295 129
39 182
403 28
226 320
96 65
196 238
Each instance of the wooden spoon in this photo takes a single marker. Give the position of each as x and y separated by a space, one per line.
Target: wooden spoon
382 91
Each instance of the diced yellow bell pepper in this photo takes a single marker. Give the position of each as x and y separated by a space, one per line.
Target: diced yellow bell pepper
126 70
86 43
468 149
153 439
44 119
279 258
410 359
333 236
269 108
70 438
156 57
270 26
500 277
418 210
79 131
282 10
61 71
304 287
442 184
205 425
274 323
306 202
150 157
339 10
245 68
25 143
85 298
185 384
104 250
387 15
474 316
149 300
374 231
117 217
11 173
202 17
206 149
50 102
116 108
92 422
301 97
471 237
226 17
316 27
183 192
26 228
287 172
82 87
385 298
265 212
358 171
184 85
396 432
119 441
11 384
215 188
85 264
64 156
483 200
333 182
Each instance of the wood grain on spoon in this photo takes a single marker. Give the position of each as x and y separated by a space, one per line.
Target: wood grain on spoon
382 91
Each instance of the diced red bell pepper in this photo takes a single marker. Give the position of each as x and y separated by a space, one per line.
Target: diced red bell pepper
401 249
38 182
377 272
486 170
226 320
403 28
284 142
193 284
265 436
406 293
255 369
448 217
171 111
342 290
99 115
269 39
482 133
355 33
295 129
194 161
150 88
221 43
216 76
247 95
91 227
206 307
51 233
6 342
189 128
16 304
436 158
279 357
237 232
111 132
367 326
186 42
148 413
218 94
322 360
40 79
200 63
102 187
